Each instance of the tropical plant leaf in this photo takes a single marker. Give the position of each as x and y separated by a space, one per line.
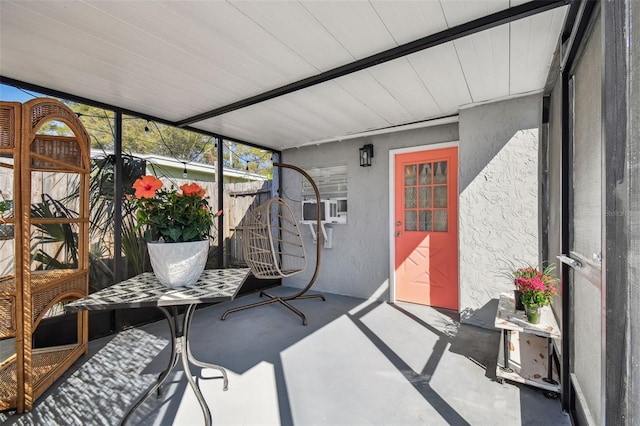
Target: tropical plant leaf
60 234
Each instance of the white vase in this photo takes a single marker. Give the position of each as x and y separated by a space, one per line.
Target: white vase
178 264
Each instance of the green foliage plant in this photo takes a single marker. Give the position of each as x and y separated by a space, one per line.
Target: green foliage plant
6 205
169 215
59 235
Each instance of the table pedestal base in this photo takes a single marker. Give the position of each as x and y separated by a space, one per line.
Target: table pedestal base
180 349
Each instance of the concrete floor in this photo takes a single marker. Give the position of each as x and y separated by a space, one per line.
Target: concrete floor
356 363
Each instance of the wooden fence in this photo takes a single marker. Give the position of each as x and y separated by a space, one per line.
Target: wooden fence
239 198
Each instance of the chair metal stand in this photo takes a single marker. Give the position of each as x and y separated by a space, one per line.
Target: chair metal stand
274 299
261 268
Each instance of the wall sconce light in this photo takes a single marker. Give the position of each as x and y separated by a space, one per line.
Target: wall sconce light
366 154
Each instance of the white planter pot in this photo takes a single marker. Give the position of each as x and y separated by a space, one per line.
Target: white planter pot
178 264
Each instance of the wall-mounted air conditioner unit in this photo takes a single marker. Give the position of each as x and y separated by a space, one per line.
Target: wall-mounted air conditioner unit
328 214
328 211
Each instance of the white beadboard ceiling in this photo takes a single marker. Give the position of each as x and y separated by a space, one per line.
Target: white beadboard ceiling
177 59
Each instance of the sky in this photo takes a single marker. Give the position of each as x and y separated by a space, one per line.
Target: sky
13 94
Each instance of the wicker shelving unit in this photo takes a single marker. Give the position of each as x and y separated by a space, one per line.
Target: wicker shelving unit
27 294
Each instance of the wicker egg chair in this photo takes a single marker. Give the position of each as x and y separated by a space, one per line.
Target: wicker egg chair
273 247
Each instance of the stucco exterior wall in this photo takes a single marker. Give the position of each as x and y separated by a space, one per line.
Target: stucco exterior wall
498 207
358 263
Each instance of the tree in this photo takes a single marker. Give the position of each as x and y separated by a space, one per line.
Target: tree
243 157
140 136
182 144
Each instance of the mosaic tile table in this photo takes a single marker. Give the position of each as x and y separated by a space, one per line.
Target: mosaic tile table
213 286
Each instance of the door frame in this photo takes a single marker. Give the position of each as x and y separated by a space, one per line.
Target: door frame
584 269
392 196
588 11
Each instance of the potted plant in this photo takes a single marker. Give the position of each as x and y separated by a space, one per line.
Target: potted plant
526 273
536 289
176 227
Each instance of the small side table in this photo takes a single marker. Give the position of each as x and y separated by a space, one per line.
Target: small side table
526 352
144 290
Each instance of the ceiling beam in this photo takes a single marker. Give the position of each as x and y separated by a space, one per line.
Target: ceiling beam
486 22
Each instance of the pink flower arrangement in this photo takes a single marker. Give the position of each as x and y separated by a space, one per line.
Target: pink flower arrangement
537 287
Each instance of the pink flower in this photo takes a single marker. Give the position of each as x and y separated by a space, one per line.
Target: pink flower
537 287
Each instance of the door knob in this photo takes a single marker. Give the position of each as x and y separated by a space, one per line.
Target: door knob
398 234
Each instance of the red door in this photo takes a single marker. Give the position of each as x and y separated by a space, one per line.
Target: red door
426 227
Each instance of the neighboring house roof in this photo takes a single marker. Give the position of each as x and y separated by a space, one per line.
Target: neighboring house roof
199 168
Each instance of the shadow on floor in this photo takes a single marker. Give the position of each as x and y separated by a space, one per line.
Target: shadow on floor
357 362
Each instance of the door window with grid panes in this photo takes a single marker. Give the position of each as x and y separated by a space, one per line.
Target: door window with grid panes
425 197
